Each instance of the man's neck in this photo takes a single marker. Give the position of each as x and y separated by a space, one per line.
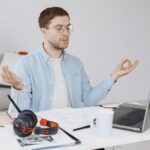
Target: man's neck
52 52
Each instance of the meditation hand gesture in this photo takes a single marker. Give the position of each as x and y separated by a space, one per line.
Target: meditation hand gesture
123 68
11 78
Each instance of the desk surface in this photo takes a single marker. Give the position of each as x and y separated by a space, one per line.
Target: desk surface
7 141
88 138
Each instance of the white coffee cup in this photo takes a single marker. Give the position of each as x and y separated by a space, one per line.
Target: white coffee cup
102 122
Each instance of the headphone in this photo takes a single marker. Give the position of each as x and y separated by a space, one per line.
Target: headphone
26 123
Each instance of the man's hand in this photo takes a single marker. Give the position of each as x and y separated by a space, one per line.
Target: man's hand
125 67
11 78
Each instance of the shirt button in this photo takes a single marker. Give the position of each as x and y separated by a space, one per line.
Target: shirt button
108 90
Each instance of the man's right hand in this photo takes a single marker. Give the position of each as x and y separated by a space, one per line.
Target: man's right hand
11 78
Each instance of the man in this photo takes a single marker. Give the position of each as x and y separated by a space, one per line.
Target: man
50 78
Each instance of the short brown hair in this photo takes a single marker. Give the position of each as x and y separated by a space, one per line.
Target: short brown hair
48 14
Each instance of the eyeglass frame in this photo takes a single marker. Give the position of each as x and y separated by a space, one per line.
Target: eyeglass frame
61 28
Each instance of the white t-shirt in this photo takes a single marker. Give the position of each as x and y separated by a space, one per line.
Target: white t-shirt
60 95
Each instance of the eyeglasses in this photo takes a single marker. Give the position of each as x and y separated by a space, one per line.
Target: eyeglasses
61 28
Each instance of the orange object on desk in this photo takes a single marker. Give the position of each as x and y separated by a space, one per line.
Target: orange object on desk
22 52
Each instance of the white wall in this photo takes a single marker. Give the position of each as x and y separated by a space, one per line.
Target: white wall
105 32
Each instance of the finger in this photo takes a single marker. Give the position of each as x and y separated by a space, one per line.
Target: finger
135 63
8 75
124 60
13 76
133 66
120 65
4 68
5 78
127 64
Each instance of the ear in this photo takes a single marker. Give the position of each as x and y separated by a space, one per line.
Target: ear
44 31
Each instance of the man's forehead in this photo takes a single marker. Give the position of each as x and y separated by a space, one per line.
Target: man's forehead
61 20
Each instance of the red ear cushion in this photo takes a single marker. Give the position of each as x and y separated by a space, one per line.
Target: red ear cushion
53 125
22 126
43 122
50 124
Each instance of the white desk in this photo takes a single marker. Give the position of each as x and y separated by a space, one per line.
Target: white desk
88 138
7 142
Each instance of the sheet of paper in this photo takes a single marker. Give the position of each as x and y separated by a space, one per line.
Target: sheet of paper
71 118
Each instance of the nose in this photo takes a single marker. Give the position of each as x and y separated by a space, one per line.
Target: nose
65 33
65 30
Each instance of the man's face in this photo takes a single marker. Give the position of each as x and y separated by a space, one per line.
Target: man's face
58 32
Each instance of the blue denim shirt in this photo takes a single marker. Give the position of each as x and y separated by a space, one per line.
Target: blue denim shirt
37 74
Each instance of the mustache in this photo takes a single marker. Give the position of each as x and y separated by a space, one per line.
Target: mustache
64 38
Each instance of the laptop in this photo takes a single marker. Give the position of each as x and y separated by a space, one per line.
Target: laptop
132 117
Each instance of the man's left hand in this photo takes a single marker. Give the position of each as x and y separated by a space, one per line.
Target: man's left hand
123 68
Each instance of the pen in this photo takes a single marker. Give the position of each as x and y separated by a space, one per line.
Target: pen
71 136
80 128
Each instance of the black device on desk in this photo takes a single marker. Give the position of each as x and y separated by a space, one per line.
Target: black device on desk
26 122
132 117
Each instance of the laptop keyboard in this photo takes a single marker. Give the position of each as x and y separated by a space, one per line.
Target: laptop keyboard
133 118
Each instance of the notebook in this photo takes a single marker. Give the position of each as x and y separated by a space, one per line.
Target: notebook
133 117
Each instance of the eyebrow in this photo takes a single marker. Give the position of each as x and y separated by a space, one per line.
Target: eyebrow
63 25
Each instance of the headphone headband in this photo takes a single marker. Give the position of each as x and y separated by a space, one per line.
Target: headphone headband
52 127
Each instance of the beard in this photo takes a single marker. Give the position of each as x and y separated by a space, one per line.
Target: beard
59 45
